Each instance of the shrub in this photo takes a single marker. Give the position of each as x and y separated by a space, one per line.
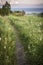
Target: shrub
19 13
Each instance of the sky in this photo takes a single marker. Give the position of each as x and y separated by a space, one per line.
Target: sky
27 3
24 3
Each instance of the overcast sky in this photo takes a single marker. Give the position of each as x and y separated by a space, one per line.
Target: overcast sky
24 2
27 1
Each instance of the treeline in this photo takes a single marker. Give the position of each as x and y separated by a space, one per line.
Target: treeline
41 14
6 10
19 13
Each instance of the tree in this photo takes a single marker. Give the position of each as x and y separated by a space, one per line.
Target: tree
42 14
6 8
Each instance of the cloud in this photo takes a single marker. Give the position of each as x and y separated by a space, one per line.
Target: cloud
3 1
27 1
23 1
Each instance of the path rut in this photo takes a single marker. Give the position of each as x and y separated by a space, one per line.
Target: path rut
19 49
20 55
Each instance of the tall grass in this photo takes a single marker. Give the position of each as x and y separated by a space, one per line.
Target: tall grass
30 30
7 43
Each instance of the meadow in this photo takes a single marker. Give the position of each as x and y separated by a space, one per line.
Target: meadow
30 32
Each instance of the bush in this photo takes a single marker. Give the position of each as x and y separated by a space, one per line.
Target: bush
19 13
40 14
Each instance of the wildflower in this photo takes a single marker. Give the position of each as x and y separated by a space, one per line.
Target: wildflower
39 30
4 47
5 38
0 38
9 28
40 38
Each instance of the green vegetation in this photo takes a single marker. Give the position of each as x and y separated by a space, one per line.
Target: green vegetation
30 32
6 10
40 14
19 13
7 43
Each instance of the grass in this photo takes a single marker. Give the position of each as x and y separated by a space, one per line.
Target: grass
7 43
30 29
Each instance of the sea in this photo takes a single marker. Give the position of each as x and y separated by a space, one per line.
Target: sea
29 10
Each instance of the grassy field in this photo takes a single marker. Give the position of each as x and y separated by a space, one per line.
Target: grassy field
30 32
7 42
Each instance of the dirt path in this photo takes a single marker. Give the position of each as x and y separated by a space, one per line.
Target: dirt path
19 49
